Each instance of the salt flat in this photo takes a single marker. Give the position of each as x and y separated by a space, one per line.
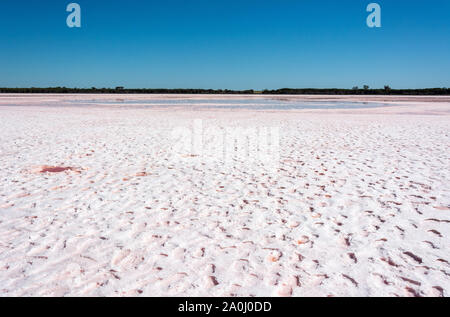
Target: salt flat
95 201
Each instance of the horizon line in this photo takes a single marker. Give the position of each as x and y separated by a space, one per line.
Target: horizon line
365 90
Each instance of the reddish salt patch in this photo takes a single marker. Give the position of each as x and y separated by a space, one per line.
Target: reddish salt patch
442 208
142 174
303 240
284 291
6 206
52 169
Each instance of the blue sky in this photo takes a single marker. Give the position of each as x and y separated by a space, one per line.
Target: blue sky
234 44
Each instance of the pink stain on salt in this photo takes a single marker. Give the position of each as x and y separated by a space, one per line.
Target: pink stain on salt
53 169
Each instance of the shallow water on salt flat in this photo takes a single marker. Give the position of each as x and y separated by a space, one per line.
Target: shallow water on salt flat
249 104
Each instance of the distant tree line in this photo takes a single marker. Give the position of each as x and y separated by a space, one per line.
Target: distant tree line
357 91
118 90
285 91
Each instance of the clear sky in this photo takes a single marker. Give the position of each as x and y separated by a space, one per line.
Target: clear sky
234 44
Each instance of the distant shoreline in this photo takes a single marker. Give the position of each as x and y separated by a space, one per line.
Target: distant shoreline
285 91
